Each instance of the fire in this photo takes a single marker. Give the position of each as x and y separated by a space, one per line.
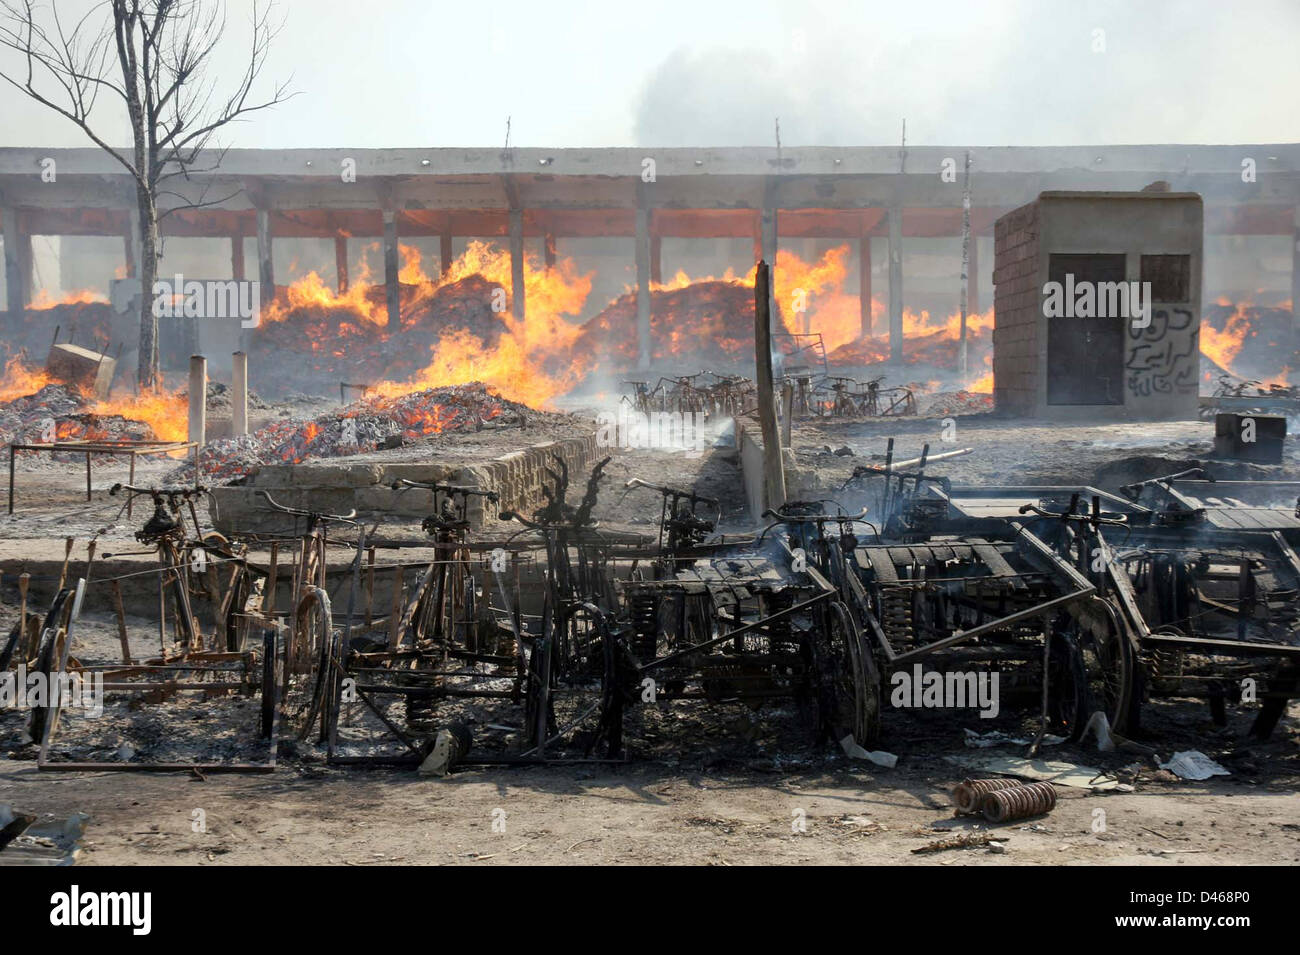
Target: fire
1223 346
681 280
18 380
983 385
1281 380
165 412
531 361
811 298
809 295
918 324
43 299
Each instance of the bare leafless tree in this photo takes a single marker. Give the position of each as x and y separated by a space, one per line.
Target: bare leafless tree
155 57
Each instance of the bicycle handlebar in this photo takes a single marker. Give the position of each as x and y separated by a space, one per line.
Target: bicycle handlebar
1119 520
812 518
185 492
299 512
533 525
451 489
668 491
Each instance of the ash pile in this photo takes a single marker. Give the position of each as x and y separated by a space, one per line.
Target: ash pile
60 412
959 402
370 424
333 344
710 323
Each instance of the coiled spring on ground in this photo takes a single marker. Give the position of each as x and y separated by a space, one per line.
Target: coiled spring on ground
1003 800
1019 802
968 796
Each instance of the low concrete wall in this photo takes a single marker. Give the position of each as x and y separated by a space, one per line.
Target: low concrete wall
799 482
337 488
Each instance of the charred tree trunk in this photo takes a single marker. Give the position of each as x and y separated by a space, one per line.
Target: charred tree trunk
147 363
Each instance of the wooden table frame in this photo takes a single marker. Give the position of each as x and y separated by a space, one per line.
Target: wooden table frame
90 448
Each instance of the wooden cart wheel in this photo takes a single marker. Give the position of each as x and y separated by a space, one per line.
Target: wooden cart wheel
307 665
272 677
851 691
54 636
7 652
539 706
1103 668
235 604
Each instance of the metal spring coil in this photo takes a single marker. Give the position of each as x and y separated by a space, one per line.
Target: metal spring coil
645 625
968 795
1019 802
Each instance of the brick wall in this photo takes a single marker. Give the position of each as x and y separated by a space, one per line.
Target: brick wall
1015 311
337 488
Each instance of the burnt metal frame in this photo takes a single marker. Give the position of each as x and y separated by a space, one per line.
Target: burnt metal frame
43 762
114 448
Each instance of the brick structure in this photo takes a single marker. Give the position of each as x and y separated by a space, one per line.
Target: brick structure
366 486
1090 366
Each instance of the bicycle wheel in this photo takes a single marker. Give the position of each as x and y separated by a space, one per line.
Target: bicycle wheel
308 660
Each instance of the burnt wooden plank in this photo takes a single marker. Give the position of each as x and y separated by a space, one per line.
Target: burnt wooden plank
995 562
883 564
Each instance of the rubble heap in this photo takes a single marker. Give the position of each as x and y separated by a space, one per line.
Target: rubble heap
958 402
938 348
706 324
332 344
59 412
371 424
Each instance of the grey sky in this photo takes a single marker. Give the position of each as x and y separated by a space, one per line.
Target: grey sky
716 72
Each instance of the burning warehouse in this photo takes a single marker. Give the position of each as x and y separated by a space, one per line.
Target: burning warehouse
429 483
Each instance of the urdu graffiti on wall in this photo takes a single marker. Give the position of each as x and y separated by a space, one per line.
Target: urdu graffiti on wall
1164 357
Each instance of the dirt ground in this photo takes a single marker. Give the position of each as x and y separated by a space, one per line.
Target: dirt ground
712 785
645 814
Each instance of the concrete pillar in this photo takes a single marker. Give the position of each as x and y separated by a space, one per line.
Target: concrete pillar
896 283
392 287
656 260
517 303
237 258
643 288
198 399
1295 269
864 284
239 394
18 277
444 253
548 250
265 262
973 276
341 262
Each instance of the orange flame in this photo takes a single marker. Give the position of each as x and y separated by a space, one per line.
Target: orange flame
1222 347
43 299
166 412
18 380
520 365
